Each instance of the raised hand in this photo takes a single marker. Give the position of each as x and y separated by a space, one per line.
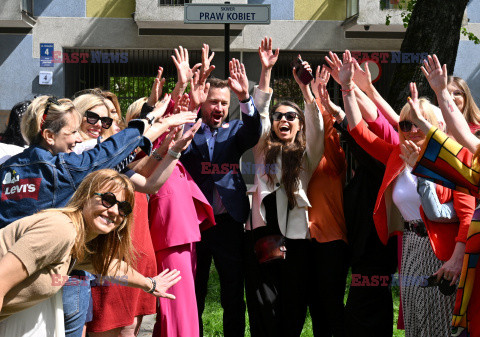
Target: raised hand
161 106
410 152
268 58
362 78
334 64
180 118
181 104
182 143
238 80
157 88
199 89
346 72
321 77
305 66
331 107
436 74
206 60
164 281
181 61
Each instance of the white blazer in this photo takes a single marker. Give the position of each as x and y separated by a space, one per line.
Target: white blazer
298 216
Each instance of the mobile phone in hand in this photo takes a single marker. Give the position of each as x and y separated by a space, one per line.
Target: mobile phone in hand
303 74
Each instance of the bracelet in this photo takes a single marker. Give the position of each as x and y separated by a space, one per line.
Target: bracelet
174 154
245 100
156 155
154 285
348 90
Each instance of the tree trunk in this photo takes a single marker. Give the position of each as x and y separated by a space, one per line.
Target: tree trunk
434 28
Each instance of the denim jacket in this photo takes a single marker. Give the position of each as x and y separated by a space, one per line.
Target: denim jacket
36 179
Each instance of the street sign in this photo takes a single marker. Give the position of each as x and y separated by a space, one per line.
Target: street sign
45 78
46 54
227 13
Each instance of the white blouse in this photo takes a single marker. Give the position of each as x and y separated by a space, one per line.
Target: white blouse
405 195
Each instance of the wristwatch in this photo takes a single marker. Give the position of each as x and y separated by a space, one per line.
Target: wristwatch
149 118
174 154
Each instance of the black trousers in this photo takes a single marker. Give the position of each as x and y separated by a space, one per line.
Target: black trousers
224 243
369 308
328 273
276 291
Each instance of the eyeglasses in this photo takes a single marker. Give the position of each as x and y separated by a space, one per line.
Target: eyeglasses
406 126
289 116
93 118
109 200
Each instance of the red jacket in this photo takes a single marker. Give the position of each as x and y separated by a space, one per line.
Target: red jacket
388 220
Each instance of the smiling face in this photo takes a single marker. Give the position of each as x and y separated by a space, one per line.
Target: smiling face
285 130
458 95
68 136
215 108
99 219
114 114
94 130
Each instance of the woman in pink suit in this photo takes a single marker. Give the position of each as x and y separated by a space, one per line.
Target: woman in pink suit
177 214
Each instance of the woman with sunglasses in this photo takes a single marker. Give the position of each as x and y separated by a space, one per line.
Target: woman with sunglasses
454 165
399 202
286 156
47 173
37 253
96 120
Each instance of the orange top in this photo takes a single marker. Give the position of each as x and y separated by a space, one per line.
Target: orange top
325 190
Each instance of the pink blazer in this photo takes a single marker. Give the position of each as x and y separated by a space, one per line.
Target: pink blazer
178 211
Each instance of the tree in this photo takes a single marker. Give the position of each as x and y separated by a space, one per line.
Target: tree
433 28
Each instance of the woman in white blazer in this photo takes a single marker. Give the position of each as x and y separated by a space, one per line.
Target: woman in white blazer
286 156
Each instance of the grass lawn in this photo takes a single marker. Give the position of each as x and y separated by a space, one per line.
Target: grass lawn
212 316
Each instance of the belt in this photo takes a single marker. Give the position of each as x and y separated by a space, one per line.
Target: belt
418 227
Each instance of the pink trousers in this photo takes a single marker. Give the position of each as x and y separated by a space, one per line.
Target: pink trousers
178 317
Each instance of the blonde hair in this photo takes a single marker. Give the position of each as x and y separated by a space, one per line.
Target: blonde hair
104 248
135 108
34 121
471 112
427 110
86 102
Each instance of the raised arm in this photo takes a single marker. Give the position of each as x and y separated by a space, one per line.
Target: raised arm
184 73
364 81
437 78
314 127
268 58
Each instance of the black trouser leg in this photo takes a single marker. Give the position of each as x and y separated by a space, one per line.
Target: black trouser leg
224 242
327 283
262 283
204 260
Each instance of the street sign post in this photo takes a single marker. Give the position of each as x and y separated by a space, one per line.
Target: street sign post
227 14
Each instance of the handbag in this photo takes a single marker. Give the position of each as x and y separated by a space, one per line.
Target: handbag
270 247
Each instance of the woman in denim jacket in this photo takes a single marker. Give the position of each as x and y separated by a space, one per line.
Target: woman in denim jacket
47 173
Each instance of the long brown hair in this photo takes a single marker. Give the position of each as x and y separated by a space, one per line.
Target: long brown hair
291 154
104 248
471 112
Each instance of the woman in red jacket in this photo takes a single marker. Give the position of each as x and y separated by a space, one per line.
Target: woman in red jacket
427 312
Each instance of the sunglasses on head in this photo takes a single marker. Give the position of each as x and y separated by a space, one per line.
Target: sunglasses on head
109 200
92 118
289 115
406 126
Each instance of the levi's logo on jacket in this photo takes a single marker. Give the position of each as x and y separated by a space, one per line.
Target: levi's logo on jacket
14 188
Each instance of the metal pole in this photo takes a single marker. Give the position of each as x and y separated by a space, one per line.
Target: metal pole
227 45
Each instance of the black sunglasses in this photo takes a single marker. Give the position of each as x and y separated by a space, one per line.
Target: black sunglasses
406 126
109 200
289 116
92 118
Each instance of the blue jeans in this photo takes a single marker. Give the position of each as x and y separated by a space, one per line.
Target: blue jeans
77 300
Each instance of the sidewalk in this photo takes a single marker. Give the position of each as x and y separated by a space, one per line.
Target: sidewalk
146 329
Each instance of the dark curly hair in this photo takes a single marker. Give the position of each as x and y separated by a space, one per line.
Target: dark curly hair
12 134
292 154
